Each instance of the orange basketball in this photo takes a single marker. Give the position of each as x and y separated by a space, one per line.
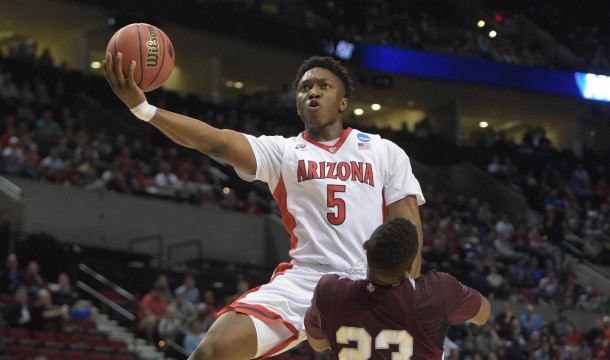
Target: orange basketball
150 48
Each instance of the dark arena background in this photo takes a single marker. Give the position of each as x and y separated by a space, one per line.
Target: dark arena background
502 106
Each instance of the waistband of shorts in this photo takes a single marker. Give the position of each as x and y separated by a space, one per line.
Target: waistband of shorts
316 267
327 269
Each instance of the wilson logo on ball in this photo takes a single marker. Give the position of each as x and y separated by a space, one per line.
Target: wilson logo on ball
150 49
152 56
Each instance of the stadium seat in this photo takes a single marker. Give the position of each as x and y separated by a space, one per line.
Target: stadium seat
51 354
18 333
116 344
99 356
85 324
74 355
125 357
22 352
93 340
44 336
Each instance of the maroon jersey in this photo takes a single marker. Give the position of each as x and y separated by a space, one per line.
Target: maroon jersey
408 320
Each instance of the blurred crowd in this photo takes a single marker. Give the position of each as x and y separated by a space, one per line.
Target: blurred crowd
45 137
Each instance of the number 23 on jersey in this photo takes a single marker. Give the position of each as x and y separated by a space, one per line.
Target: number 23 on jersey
364 344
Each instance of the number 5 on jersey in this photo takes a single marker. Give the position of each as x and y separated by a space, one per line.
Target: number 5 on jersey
337 216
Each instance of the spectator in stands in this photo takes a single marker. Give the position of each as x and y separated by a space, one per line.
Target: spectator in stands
590 300
194 335
152 309
46 316
240 288
166 289
487 340
504 227
571 340
12 157
185 310
530 321
47 127
560 325
33 279
252 204
188 290
497 284
166 182
19 314
53 166
209 299
64 293
169 325
11 277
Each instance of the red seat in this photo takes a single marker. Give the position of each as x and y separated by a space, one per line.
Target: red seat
44 336
74 355
51 354
7 299
124 357
94 340
68 339
84 324
22 352
116 344
99 356
18 333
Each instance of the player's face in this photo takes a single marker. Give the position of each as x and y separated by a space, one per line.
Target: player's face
320 98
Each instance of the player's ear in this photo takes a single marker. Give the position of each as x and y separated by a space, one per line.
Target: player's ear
343 104
365 245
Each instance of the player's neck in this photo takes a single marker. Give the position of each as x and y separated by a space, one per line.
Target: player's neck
385 280
329 132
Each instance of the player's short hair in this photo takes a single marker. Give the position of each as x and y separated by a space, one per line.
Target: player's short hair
328 63
393 246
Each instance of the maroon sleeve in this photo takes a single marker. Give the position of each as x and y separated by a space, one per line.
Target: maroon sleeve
316 315
463 303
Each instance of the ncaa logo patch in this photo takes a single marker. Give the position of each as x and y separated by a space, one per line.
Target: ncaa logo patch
364 137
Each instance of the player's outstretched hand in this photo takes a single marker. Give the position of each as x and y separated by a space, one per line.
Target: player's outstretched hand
125 88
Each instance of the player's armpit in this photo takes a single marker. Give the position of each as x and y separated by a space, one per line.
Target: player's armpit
481 317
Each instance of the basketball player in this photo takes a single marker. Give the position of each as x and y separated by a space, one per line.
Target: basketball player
334 186
389 315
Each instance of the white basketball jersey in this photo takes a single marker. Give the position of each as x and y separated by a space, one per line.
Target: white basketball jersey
332 197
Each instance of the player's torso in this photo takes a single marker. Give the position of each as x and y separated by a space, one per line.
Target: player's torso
373 322
335 193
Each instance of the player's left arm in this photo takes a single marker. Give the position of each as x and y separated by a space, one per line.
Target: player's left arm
407 208
316 314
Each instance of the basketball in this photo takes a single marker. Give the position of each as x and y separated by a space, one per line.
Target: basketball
150 48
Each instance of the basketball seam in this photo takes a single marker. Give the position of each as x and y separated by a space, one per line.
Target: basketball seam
140 52
162 61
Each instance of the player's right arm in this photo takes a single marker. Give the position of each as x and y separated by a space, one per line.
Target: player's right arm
227 145
463 303
481 317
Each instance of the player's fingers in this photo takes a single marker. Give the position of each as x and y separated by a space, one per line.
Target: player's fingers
132 70
118 69
108 70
